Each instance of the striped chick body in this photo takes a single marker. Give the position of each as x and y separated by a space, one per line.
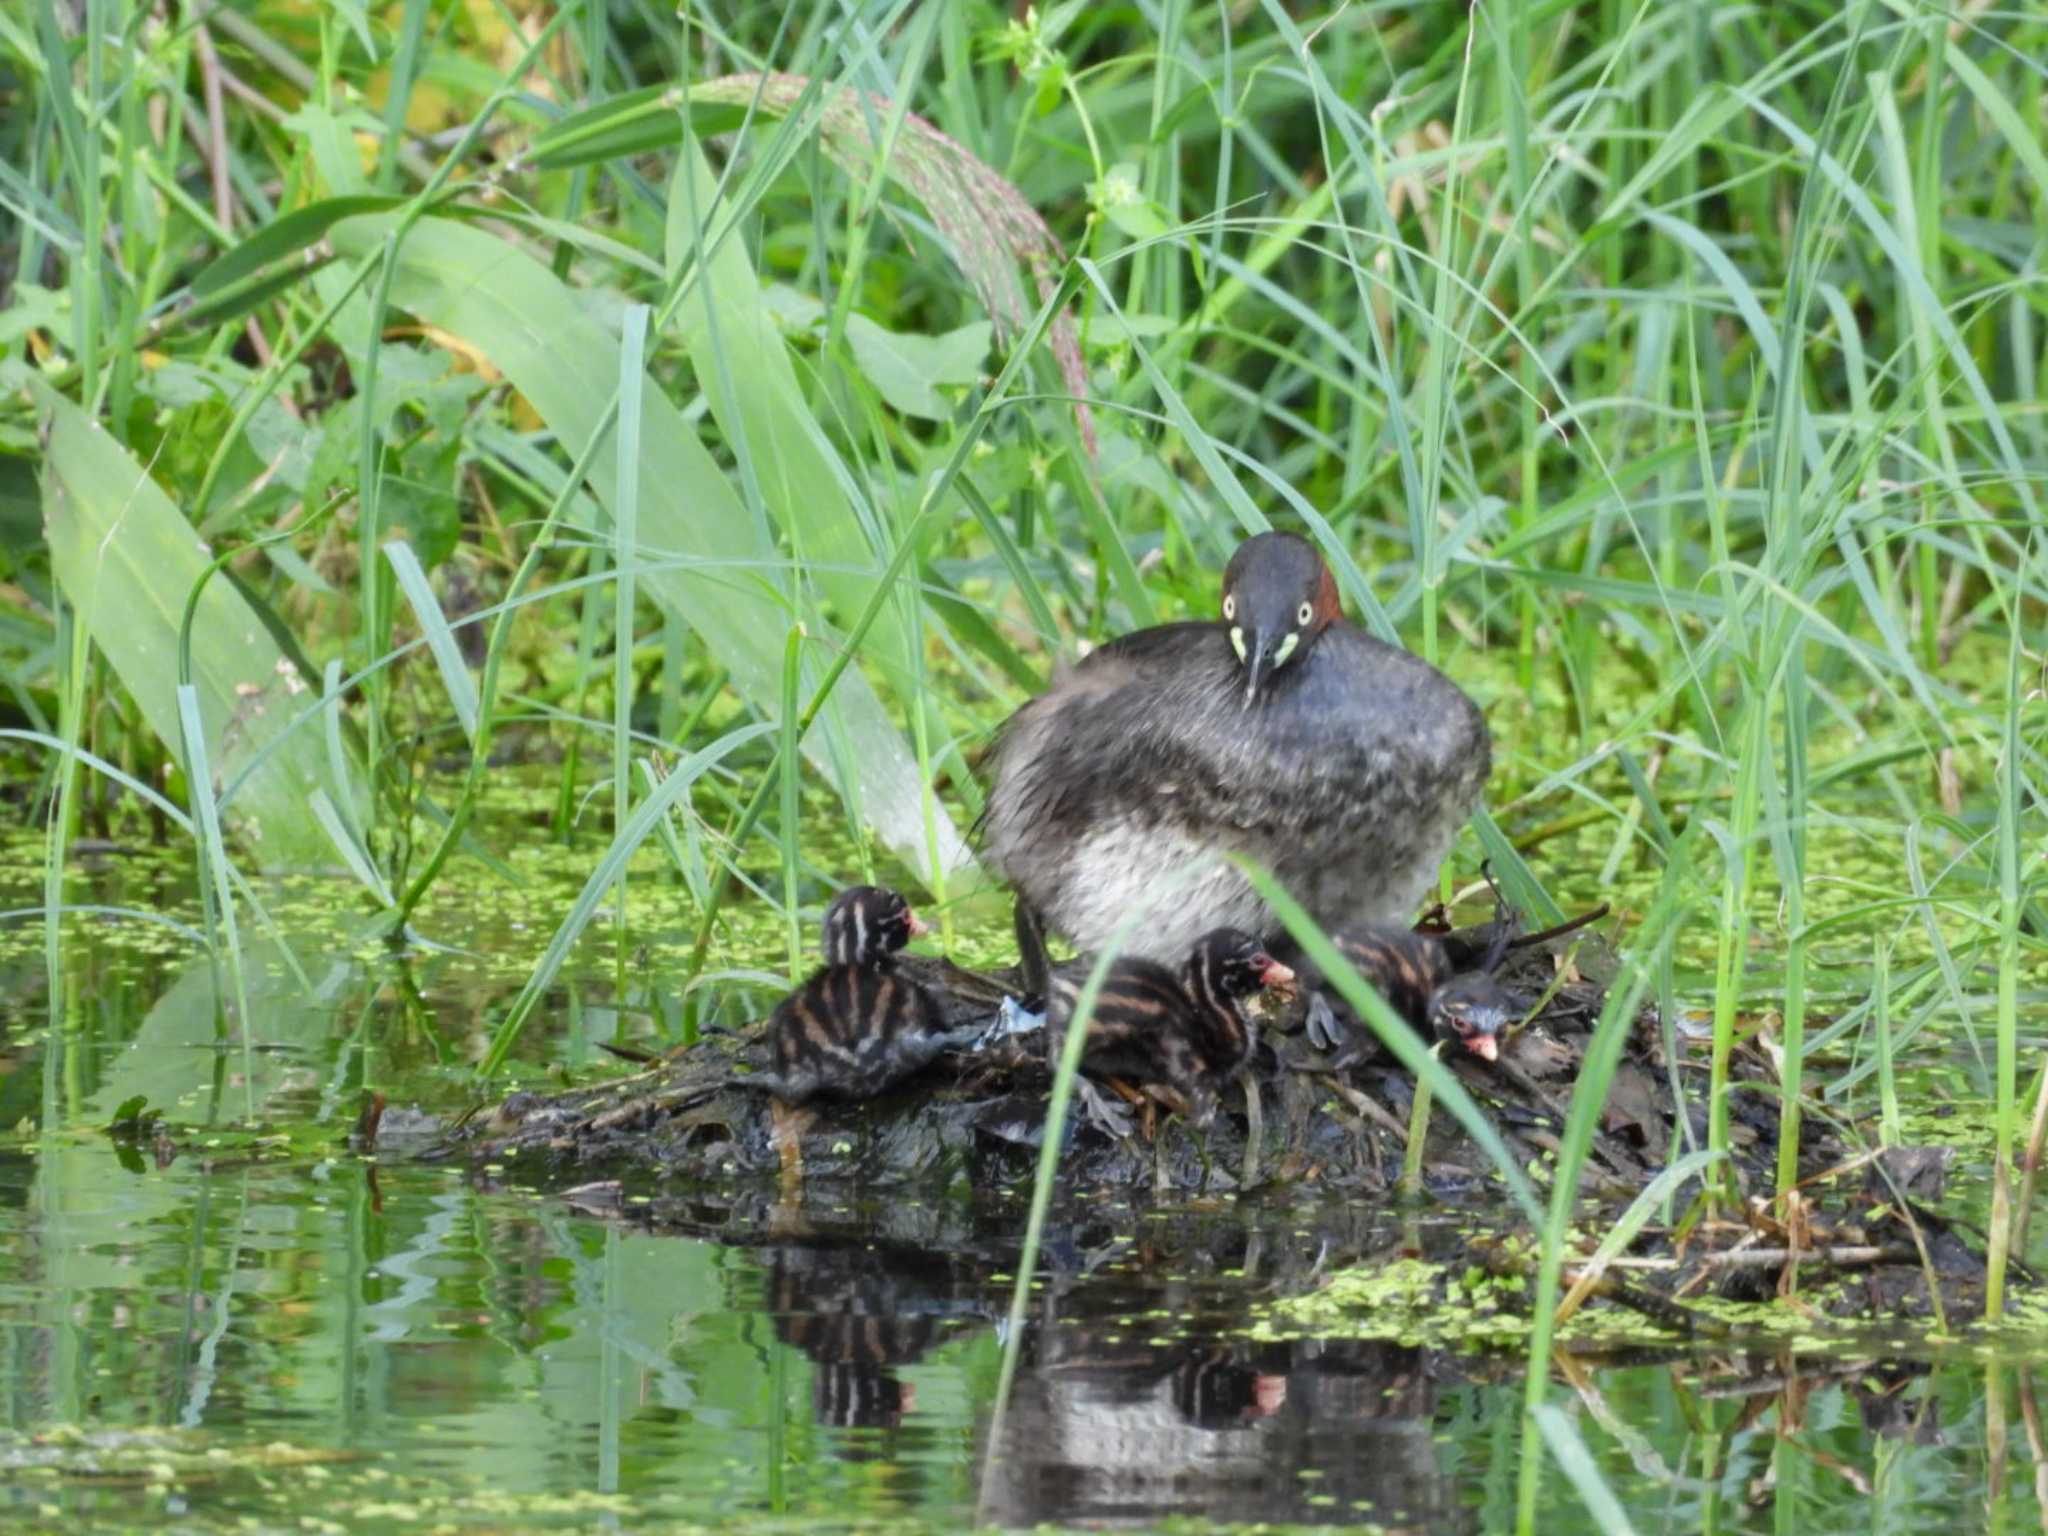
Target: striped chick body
859 1025
851 1032
1404 967
1185 1030
1140 1002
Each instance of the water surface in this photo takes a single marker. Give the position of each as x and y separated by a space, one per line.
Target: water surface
231 1317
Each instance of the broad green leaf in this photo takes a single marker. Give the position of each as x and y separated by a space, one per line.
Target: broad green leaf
423 501
797 312
126 558
904 368
705 562
21 533
32 308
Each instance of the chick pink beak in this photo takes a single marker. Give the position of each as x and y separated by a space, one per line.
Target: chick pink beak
1274 974
1485 1047
918 926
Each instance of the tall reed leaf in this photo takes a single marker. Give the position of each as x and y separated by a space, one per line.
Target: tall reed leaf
786 462
2011 773
991 229
625 584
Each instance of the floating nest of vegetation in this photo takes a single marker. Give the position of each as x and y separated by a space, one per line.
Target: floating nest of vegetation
975 1122
978 1116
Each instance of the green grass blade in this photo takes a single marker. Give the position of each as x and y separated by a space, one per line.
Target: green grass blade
635 123
433 623
1396 1034
1589 1094
1561 1434
150 796
285 236
789 470
789 760
214 873
2011 771
350 850
626 564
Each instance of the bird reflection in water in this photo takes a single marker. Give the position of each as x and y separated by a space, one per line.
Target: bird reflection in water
1106 1423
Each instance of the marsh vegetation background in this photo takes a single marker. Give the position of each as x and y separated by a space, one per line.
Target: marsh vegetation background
503 507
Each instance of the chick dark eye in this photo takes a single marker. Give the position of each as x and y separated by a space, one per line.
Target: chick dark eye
1229 606
1303 614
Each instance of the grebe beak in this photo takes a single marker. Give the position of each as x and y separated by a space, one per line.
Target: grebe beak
1256 665
1262 656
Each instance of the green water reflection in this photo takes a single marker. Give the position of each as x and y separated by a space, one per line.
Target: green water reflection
445 1351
